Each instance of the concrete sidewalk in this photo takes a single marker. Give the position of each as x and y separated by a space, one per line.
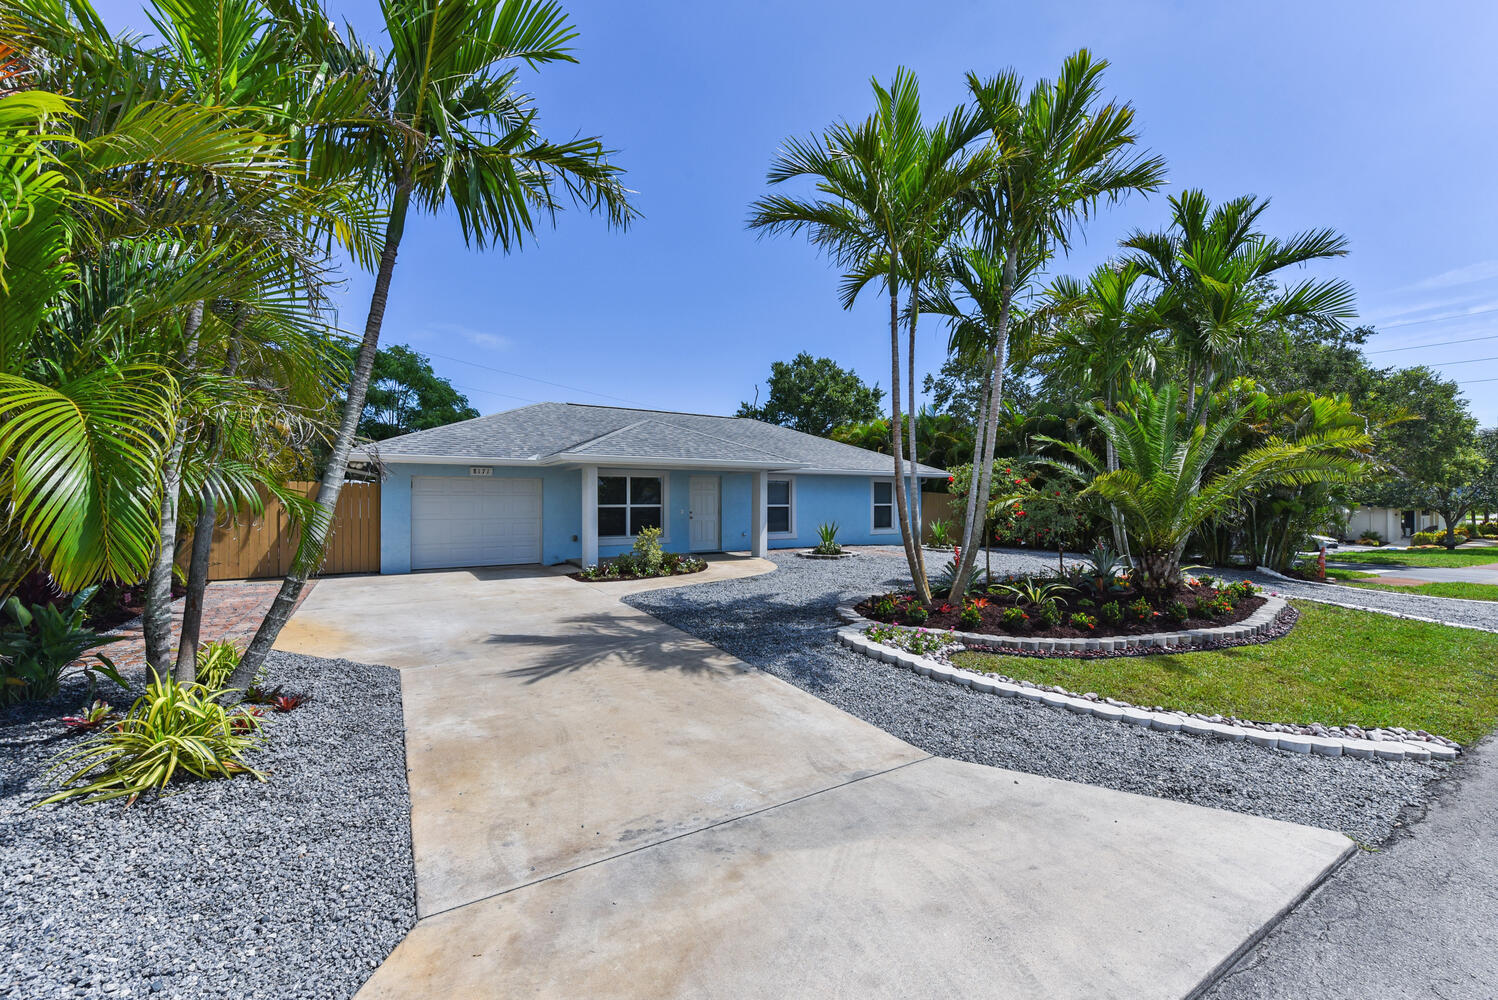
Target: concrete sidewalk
603 806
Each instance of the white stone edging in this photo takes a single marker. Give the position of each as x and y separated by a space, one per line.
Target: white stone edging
1328 746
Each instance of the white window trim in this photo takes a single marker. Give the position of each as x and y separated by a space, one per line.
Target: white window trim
792 505
894 515
665 504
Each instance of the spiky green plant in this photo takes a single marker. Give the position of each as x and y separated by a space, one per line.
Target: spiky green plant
172 729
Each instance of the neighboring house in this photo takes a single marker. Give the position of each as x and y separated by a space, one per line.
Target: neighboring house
567 482
1391 523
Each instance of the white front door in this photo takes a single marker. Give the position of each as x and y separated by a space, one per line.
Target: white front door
474 522
703 514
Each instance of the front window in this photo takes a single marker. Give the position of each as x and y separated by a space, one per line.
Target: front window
626 504
778 506
884 506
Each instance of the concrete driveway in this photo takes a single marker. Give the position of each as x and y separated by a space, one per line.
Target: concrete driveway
603 806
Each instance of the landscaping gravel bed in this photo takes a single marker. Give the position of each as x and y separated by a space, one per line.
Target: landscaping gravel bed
1482 614
785 623
296 888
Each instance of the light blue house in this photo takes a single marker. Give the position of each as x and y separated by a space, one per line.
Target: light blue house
566 482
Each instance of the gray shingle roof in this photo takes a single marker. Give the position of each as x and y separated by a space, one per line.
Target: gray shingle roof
547 433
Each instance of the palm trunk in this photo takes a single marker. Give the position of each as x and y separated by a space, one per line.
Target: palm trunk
315 533
983 427
156 620
1120 533
914 487
202 544
983 473
902 508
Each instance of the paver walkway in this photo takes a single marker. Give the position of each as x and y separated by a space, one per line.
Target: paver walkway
232 610
603 806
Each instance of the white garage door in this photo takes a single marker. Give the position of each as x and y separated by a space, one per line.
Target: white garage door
474 522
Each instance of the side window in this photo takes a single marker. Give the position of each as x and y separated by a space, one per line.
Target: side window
778 506
884 505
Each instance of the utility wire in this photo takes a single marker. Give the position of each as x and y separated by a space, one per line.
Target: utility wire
502 371
1440 343
1435 319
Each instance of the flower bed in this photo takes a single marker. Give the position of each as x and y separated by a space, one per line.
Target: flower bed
1056 610
626 568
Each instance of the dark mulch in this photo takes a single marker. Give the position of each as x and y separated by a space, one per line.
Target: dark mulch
634 576
949 616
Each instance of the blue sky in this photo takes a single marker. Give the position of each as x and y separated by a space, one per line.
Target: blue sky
1374 118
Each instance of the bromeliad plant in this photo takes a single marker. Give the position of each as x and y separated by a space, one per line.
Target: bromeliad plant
172 729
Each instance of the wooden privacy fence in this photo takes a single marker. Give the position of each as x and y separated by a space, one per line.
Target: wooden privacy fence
262 546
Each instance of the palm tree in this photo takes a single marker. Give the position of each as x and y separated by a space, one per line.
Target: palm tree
1059 153
1102 341
1213 271
447 128
885 186
1164 485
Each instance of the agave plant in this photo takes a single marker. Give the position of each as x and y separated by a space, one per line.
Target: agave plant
827 546
1039 594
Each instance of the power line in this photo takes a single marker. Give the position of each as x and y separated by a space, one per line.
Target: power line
1435 319
559 385
1441 343
507 395
1475 381
1469 361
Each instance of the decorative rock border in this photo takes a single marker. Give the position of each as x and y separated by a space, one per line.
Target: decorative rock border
1257 624
1391 747
845 554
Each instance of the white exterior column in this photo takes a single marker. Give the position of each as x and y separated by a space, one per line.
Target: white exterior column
589 533
759 532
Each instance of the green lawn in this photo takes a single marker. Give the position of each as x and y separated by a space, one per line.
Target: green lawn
1467 591
1337 573
1419 557
1336 666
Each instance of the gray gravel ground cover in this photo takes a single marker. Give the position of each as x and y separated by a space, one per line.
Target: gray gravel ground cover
784 623
296 888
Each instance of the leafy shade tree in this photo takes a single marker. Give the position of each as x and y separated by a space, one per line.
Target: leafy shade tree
448 129
943 439
883 187
1430 446
406 395
1165 487
959 386
1058 153
814 395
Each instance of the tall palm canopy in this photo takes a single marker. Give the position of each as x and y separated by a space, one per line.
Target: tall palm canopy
884 187
446 127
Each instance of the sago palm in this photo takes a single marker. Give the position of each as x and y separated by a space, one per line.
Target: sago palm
1165 486
1059 153
447 128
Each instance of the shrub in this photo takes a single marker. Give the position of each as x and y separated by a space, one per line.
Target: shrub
1240 590
827 546
972 614
1177 611
171 729
885 606
1370 538
1112 612
1050 615
39 644
911 640
1140 611
1428 538
1014 617
916 613
647 552
1488 529
1082 620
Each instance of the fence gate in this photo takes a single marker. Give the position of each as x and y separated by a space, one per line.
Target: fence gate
262 546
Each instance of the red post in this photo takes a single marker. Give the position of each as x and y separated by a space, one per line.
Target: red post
1321 563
